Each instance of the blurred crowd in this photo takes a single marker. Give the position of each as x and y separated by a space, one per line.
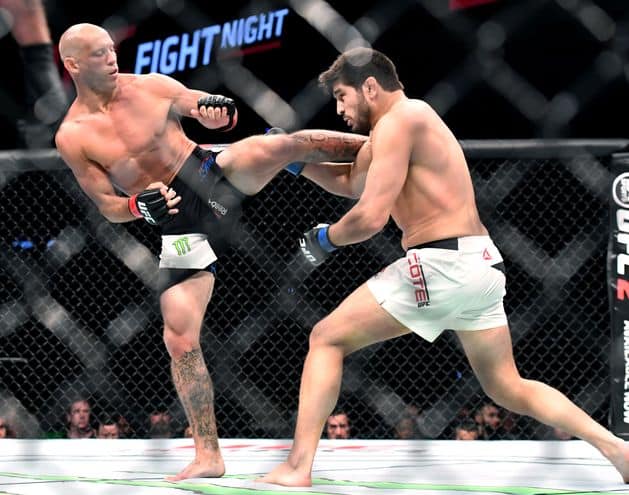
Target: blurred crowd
486 421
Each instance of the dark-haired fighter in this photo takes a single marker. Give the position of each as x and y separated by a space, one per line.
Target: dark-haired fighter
413 170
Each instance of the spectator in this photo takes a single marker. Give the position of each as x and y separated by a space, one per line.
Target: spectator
511 427
406 429
160 424
467 429
338 425
6 431
125 429
487 418
420 427
187 432
108 429
79 420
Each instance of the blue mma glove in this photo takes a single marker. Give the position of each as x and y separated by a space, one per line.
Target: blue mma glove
219 101
315 244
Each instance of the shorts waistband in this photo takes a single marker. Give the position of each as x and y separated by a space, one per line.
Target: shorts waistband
451 243
202 153
199 152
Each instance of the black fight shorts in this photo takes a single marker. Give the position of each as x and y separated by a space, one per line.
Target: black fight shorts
209 211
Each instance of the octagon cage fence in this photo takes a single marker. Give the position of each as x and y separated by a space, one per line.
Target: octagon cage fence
79 316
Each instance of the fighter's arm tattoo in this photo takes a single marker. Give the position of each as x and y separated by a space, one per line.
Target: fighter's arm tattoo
323 146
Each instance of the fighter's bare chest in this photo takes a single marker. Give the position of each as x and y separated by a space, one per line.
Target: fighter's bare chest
124 133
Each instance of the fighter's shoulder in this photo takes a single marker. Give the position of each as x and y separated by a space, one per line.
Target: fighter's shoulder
158 83
68 137
75 127
72 124
406 113
412 108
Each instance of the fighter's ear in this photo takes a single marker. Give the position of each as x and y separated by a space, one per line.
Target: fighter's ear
370 86
71 64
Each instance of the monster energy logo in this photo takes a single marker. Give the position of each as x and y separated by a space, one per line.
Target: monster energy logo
182 246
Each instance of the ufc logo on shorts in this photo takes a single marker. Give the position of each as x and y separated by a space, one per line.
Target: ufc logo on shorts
417 279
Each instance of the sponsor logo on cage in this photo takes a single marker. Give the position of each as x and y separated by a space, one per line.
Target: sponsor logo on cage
182 246
625 354
620 193
417 279
622 258
620 190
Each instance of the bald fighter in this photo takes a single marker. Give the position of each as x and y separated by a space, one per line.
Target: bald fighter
123 132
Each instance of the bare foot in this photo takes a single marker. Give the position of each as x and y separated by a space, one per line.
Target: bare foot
620 460
286 475
200 469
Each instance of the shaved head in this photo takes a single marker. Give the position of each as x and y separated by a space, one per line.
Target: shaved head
77 37
89 55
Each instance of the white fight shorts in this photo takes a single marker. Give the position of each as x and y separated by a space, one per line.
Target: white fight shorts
448 284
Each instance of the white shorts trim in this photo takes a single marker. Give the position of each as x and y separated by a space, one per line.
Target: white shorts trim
191 251
431 289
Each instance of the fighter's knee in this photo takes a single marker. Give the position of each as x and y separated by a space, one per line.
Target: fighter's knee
503 393
178 343
180 320
326 334
320 335
282 147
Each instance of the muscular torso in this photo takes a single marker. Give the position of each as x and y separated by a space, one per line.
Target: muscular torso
136 139
437 199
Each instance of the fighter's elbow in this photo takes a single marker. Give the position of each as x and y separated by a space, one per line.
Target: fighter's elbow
352 193
108 215
374 223
380 224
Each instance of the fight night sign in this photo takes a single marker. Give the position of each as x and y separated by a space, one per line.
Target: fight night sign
618 284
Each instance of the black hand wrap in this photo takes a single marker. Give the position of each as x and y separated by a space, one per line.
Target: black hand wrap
219 101
315 244
150 205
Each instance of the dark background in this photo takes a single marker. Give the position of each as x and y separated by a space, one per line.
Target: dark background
568 57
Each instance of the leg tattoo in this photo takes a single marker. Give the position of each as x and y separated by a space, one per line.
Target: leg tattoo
323 146
194 386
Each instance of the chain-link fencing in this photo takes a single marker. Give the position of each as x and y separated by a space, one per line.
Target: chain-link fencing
79 316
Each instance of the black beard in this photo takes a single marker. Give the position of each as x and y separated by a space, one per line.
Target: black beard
363 117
